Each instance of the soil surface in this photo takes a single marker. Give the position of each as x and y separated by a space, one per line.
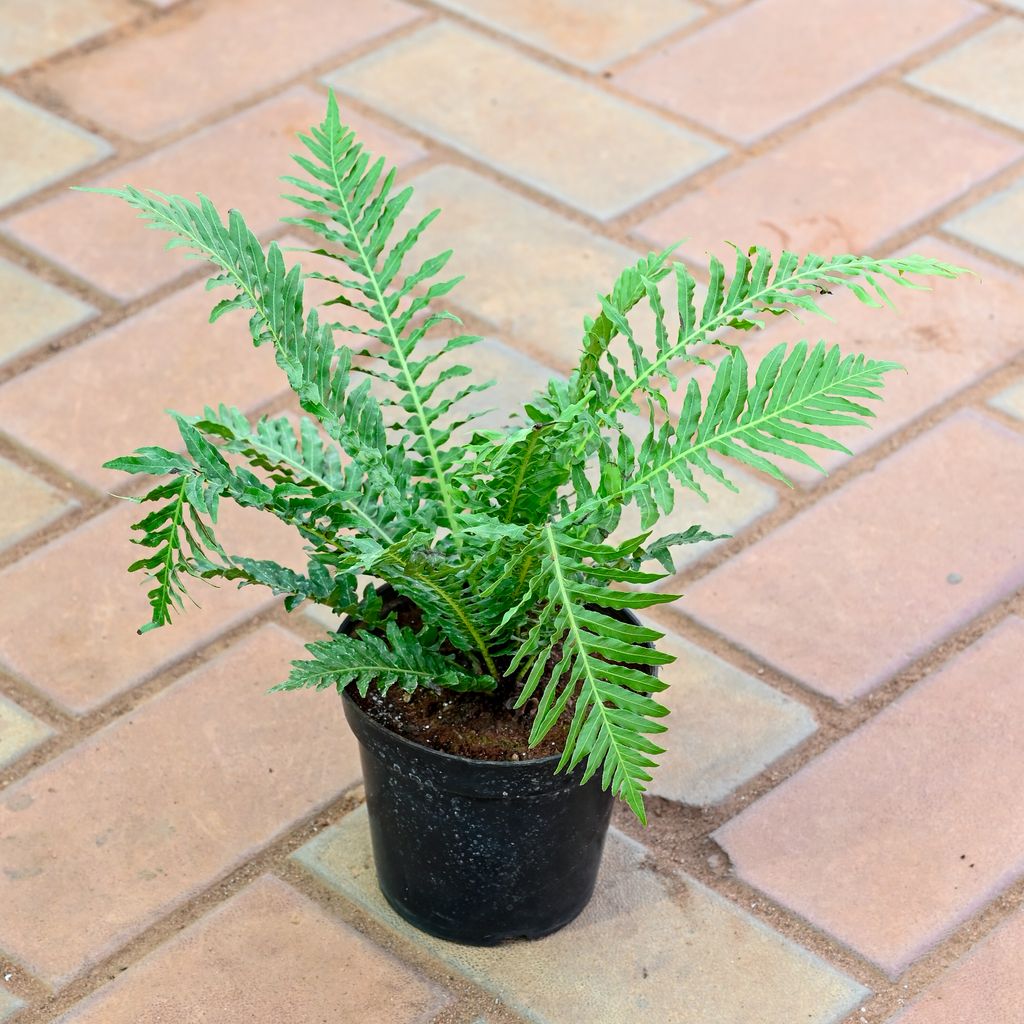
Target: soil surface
484 726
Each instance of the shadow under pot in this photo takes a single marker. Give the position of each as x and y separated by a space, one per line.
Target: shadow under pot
478 851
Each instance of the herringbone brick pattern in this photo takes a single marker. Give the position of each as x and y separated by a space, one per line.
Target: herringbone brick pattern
837 833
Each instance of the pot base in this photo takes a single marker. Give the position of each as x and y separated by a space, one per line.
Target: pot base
459 935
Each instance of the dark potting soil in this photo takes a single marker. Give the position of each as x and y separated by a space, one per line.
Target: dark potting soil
483 726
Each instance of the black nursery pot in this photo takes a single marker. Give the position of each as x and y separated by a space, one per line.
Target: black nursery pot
479 851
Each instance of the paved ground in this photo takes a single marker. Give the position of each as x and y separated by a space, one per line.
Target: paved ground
839 830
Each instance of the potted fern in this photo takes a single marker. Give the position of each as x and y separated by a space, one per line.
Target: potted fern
494 671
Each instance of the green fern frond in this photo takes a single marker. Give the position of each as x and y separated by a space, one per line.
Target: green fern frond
754 423
356 209
757 288
368 660
499 542
317 371
591 655
347 496
175 530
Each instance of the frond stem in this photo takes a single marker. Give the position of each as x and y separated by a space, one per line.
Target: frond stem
371 275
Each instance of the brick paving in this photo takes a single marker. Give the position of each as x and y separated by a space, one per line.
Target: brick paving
836 833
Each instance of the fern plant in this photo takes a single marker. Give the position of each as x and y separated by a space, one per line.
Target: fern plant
500 538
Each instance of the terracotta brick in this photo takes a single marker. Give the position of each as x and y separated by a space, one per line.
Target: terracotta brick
28 503
996 224
859 585
9 1004
719 75
690 962
70 610
985 73
268 954
539 282
107 396
591 34
908 826
34 311
31 31
145 813
19 733
237 163
46 148
725 726
934 334
845 184
584 146
199 61
986 985
1011 401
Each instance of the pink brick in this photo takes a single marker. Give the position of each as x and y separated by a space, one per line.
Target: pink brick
987 985
237 163
30 32
268 954
549 130
100 843
844 184
70 610
202 59
107 396
723 77
907 827
855 588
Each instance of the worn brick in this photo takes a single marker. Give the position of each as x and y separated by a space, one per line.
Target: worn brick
592 33
237 163
690 962
1011 401
30 31
199 61
34 310
859 585
150 810
40 148
70 610
584 146
908 826
28 504
985 73
107 396
719 76
9 1004
539 282
19 733
996 224
844 184
725 726
268 954
987 985
933 334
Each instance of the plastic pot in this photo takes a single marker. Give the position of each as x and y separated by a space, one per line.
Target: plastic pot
479 851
